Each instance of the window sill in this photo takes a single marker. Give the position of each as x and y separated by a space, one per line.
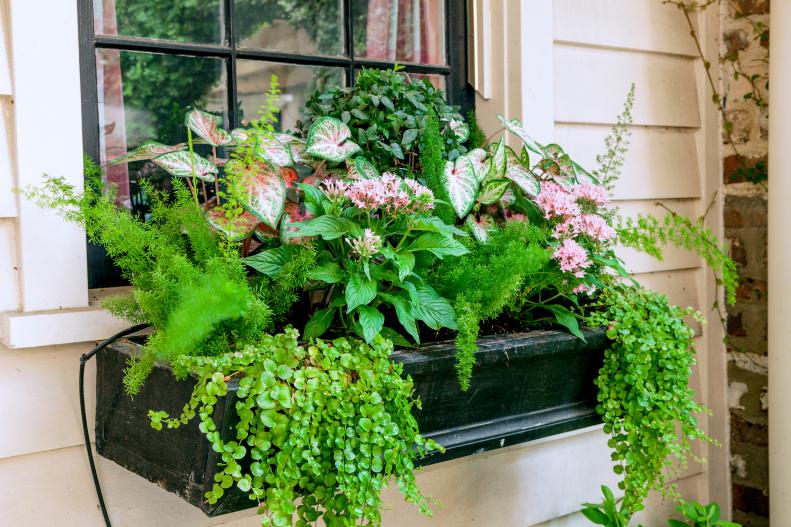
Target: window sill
20 330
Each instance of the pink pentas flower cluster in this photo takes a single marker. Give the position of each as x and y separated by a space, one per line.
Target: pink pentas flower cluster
590 225
367 245
556 201
595 194
572 258
391 194
335 189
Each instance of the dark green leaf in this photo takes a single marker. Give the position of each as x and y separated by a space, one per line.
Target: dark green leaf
371 322
360 291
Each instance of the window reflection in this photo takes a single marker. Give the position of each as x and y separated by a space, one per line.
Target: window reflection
297 83
400 30
143 97
296 26
180 20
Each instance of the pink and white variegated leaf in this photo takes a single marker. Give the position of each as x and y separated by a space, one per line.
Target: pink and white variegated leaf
480 228
459 129
461 185
493 190
207 127
298 153
182 164
240 135
477 157
273 152
516 128
499 160
365 169
524 179
264 194
234 228
328 139
148 150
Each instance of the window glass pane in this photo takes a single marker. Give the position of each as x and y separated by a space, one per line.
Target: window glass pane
313 27
181 20
400 30
143 97
296 83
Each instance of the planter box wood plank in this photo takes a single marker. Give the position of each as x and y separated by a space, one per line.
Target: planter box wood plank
525 386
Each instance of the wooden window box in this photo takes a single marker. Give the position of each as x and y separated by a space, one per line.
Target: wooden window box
525 386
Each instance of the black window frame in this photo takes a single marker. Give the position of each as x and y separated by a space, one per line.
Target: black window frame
101 271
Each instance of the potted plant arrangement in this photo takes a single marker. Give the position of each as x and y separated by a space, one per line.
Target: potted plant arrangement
308 290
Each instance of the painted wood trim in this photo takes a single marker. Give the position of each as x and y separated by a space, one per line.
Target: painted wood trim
50 328
52 253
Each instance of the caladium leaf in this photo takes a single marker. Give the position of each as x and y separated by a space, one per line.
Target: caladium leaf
236 228
480 228
499 160
328 139
493 190
365 169
524 179
516 128
583 175
548 167
264 193
273 151
264 232
297 147
148 150
207 127
459 129
478 157
461 185
182 164
240 135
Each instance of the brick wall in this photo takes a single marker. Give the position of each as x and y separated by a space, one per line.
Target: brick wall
745 227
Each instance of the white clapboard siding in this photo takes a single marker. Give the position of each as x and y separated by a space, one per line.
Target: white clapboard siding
8 208
661 163
9 295
647 25
43 385
673 257
588 82
682 287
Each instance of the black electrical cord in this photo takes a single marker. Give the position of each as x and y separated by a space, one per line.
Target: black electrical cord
85 357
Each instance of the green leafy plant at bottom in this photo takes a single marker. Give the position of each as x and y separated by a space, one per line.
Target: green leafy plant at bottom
644 397
327 422
610 514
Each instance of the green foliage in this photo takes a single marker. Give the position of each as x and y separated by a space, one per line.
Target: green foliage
697 515
432 161
194 294
329 422
646 233
477 138
607 512
616 145
644 397
387 111
369 256
484 283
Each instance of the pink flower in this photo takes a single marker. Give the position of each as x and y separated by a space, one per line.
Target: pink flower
367 245
556 201
366 194
592 226
335 189
563 229
596 194
572 258
584 288
391 194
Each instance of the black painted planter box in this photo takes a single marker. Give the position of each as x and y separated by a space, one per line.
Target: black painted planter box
525 386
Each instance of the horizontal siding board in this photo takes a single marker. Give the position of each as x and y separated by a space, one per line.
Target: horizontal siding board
646 25
588 80
681 287
661 163
673 257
